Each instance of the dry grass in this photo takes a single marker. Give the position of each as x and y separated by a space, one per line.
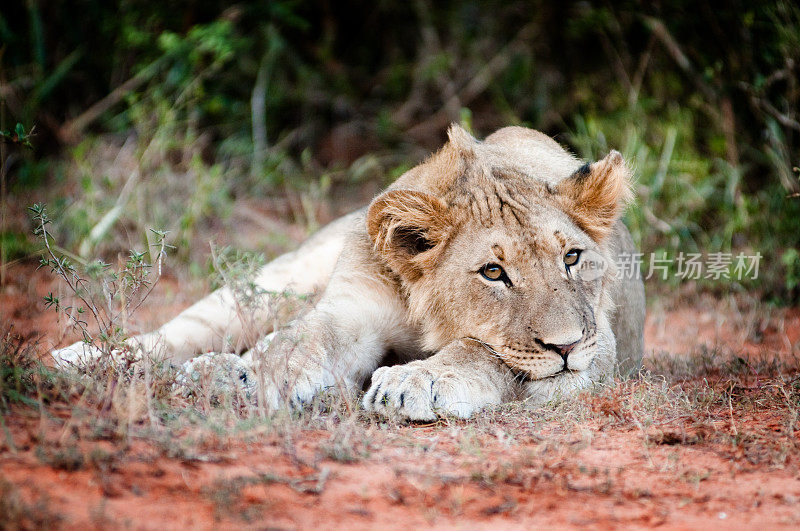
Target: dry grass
745 414
16 513
680 400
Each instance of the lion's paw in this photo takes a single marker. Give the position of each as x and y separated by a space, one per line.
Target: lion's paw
303 389
82 356
295 389
417 392
217 374
76 356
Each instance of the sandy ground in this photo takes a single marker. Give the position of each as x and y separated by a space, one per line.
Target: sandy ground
733 465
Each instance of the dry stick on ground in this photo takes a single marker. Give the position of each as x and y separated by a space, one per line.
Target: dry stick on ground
730 411
300 484
110 218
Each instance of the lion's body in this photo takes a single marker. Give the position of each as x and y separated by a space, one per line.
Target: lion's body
407 277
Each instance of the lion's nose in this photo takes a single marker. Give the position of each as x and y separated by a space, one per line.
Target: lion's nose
564 350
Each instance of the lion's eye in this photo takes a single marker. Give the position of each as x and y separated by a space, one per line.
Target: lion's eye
492 272
572 257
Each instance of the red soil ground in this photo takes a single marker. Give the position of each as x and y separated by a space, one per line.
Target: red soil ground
740 469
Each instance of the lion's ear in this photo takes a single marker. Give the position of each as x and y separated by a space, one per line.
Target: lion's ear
596 194
404 225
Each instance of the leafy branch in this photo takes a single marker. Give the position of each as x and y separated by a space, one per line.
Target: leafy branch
123 291
18 136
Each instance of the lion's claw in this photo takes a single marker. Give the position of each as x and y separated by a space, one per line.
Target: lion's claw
417 392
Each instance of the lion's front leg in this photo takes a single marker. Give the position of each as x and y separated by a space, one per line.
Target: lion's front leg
459 380
340 342
312 355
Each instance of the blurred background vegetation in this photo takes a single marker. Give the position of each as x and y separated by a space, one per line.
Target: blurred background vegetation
217 120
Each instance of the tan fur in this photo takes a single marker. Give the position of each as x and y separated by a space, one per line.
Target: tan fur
401 220
408 282
596 199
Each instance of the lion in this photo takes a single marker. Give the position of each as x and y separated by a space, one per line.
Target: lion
483 275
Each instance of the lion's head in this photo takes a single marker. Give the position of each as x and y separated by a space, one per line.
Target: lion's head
506 242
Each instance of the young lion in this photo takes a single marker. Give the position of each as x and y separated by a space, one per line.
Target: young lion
487 271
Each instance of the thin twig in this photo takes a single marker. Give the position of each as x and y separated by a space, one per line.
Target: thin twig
73 281
161 254
72 129
660 31
258 109
110 218
476 86
730 411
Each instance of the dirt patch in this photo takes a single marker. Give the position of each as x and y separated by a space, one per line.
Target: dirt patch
719 448
733 325
599 475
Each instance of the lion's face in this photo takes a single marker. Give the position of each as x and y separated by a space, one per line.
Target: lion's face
518 289
503 258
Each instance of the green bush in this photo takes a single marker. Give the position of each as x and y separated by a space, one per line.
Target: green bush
213 102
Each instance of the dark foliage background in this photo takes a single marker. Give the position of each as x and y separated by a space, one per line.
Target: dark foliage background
178 113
